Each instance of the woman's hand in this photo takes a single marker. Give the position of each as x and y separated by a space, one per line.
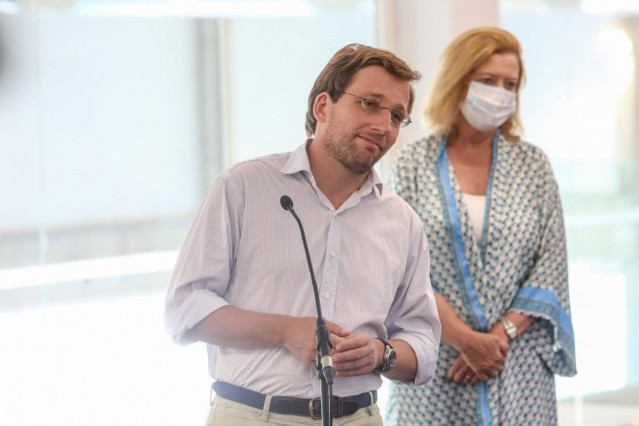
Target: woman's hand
461 372
485 355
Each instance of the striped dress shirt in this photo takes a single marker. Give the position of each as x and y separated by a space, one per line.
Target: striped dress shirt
370 258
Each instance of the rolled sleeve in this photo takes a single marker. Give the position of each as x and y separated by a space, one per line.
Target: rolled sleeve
414 317
199 304
203 268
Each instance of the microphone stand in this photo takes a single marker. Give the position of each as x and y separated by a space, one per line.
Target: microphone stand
324 362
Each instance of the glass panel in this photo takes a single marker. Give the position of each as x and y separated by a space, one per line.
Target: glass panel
115 119
579 105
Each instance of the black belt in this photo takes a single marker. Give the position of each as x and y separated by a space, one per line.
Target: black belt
296 406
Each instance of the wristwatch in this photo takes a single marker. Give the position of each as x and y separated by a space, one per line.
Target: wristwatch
390 357
510 328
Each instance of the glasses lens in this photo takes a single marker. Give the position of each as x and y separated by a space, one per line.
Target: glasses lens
371 105
399 119
396 118
374 106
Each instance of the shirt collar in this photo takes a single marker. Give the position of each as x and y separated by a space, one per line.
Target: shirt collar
298 162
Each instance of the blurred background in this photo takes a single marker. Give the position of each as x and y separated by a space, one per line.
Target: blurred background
116 116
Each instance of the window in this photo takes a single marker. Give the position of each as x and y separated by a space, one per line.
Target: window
579 105
115 118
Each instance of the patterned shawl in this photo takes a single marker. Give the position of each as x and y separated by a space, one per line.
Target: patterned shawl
519 266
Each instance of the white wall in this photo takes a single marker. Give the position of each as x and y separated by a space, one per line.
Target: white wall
418 31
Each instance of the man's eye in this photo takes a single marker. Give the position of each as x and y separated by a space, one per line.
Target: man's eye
370 104
397 116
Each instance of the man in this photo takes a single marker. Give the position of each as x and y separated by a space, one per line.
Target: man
242 284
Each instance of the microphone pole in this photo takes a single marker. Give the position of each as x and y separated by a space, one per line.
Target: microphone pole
324 361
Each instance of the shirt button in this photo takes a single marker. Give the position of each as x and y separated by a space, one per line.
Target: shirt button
327 295
332 254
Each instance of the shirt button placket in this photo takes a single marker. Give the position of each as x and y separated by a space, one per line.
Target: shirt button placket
330 274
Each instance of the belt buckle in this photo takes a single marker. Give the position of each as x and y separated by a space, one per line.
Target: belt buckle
311 408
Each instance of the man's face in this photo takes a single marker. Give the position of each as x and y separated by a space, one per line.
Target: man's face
355 137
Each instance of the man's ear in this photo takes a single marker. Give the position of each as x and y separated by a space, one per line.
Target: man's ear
321 106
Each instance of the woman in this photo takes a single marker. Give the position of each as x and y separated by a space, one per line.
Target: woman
492 213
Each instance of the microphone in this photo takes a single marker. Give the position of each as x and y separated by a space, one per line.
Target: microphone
286 203
322 334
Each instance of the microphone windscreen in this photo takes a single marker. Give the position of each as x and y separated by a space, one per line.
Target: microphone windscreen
286 202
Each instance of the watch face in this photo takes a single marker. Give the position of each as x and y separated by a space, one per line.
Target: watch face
392 359
389 358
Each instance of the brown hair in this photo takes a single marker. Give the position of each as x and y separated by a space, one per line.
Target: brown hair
340 70
458 63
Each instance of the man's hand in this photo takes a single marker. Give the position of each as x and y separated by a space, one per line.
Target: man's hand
300 337
356 355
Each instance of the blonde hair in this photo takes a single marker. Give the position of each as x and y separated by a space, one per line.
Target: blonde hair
458 63
343 66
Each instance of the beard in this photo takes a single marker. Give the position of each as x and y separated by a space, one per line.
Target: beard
347 153
342 146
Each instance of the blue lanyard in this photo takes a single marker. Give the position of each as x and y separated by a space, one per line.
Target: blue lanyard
458 242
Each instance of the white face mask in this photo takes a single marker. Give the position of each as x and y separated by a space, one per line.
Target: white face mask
488 107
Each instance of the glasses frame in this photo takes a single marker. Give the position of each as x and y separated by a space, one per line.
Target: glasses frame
374 106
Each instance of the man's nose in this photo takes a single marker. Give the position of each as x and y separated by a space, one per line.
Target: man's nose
383 121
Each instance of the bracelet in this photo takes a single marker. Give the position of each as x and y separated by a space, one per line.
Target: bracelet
510 328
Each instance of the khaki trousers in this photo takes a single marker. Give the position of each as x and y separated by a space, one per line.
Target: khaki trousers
228 413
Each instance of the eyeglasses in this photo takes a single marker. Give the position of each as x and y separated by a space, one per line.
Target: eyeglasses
373 105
